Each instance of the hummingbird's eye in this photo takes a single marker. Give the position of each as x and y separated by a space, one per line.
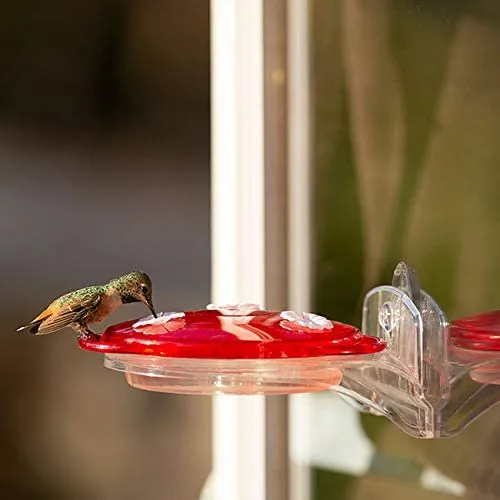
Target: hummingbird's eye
144 289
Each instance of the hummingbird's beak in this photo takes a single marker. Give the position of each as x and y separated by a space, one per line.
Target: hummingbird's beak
152 309
147 301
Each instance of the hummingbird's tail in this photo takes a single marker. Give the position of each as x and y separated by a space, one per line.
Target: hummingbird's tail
31 328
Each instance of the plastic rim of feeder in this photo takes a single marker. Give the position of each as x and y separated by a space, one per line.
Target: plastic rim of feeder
239 349
476 340
480 332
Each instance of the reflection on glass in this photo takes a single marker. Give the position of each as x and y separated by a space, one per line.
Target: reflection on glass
406 153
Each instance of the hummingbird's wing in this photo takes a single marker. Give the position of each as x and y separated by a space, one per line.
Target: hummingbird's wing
68 314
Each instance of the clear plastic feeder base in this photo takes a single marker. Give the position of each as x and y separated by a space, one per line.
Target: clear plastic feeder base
215 376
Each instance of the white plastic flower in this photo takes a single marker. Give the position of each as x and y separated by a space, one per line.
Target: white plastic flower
160 320
307 320
234 309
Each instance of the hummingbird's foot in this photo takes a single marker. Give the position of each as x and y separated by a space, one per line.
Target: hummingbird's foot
85 333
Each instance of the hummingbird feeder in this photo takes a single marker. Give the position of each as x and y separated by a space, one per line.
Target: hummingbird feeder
429 376
233 349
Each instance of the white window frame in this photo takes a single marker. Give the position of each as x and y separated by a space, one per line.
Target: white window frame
238 220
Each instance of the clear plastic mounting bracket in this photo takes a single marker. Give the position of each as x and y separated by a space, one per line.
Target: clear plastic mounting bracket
417 382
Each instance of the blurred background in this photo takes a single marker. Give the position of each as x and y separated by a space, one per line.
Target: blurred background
406 105
104 147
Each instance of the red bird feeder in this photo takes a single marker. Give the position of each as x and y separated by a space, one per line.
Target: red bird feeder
238 349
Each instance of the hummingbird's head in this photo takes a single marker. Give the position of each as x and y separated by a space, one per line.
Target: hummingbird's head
134 287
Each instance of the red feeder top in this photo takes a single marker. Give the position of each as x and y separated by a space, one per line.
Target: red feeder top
227 332
480 332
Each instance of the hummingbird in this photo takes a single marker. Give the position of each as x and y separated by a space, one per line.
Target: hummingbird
92 304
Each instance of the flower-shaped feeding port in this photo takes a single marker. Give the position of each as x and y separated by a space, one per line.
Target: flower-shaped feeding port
434 377
304 321
233 350
162 323
234 309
